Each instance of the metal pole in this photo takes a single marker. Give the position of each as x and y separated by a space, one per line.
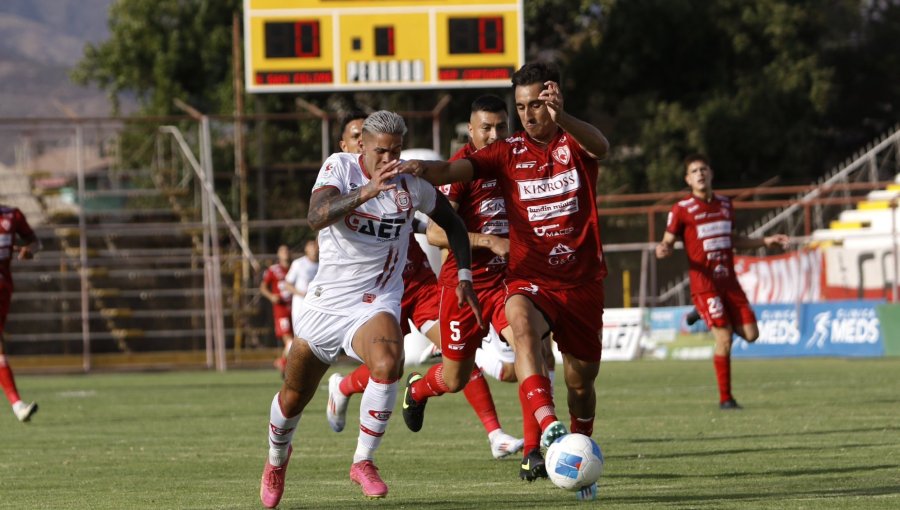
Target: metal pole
207 278
82 256
215 266
239 302
894 289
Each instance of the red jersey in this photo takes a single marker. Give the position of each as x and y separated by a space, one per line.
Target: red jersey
12 224
483 210
274 278
549 190
706 229
417 272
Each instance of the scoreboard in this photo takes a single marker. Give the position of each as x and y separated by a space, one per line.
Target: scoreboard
345 45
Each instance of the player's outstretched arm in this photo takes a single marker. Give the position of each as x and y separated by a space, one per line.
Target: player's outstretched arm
499 245
444 215
327 205
439 172
772 241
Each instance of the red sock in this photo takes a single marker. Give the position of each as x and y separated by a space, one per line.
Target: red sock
478 393
432 385
355 382
537 392
7 382
581 425
531 430
723 376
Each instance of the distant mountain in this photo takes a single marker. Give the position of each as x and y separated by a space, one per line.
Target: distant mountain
40 42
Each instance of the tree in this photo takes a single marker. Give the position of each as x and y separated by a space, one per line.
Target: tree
165 49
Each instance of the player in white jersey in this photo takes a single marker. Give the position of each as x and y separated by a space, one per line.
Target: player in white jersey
363 211
301 272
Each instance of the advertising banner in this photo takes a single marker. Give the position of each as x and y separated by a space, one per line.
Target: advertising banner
838 328
790 278
622 332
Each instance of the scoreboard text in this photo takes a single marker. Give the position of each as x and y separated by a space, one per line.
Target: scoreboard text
331 45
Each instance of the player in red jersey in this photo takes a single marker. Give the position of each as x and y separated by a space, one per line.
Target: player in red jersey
13 224
547 174
704 221
274 289
420 304
481 206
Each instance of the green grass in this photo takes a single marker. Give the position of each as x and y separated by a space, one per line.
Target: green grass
817 434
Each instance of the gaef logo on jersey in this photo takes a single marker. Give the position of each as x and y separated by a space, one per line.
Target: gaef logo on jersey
403 200
383 229
562 155
559 184
560 255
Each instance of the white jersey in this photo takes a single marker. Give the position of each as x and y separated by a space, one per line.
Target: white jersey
361 257
299 275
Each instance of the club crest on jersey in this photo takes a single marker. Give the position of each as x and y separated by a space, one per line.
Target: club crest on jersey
562 154
383 229
403 200
5 224
445 189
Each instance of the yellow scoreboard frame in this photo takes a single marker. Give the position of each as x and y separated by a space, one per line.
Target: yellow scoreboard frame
336 45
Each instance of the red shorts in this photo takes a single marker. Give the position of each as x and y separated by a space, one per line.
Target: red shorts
282 316
724 307
419 306
460 334
5 298
575 315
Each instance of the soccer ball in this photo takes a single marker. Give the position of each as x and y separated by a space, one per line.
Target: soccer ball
574 461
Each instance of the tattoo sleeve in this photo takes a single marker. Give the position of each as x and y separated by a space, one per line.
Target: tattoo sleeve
329 205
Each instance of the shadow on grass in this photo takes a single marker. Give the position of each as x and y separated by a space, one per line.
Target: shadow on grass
785 473
764 436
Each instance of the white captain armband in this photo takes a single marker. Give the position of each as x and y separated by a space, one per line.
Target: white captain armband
465 275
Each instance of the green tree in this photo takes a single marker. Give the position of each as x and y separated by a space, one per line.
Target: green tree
165 49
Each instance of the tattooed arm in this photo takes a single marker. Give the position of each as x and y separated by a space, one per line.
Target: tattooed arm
328 205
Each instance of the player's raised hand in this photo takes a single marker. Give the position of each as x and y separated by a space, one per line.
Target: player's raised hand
553 98
381 178
466 296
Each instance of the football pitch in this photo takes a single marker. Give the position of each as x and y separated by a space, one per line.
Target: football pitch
815 433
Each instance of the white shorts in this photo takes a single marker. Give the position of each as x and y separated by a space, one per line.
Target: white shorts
493 344
327 334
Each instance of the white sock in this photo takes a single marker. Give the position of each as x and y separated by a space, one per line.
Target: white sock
281 433
377 401
490 363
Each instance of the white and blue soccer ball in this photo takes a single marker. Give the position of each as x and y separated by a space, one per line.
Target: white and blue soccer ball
574 461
